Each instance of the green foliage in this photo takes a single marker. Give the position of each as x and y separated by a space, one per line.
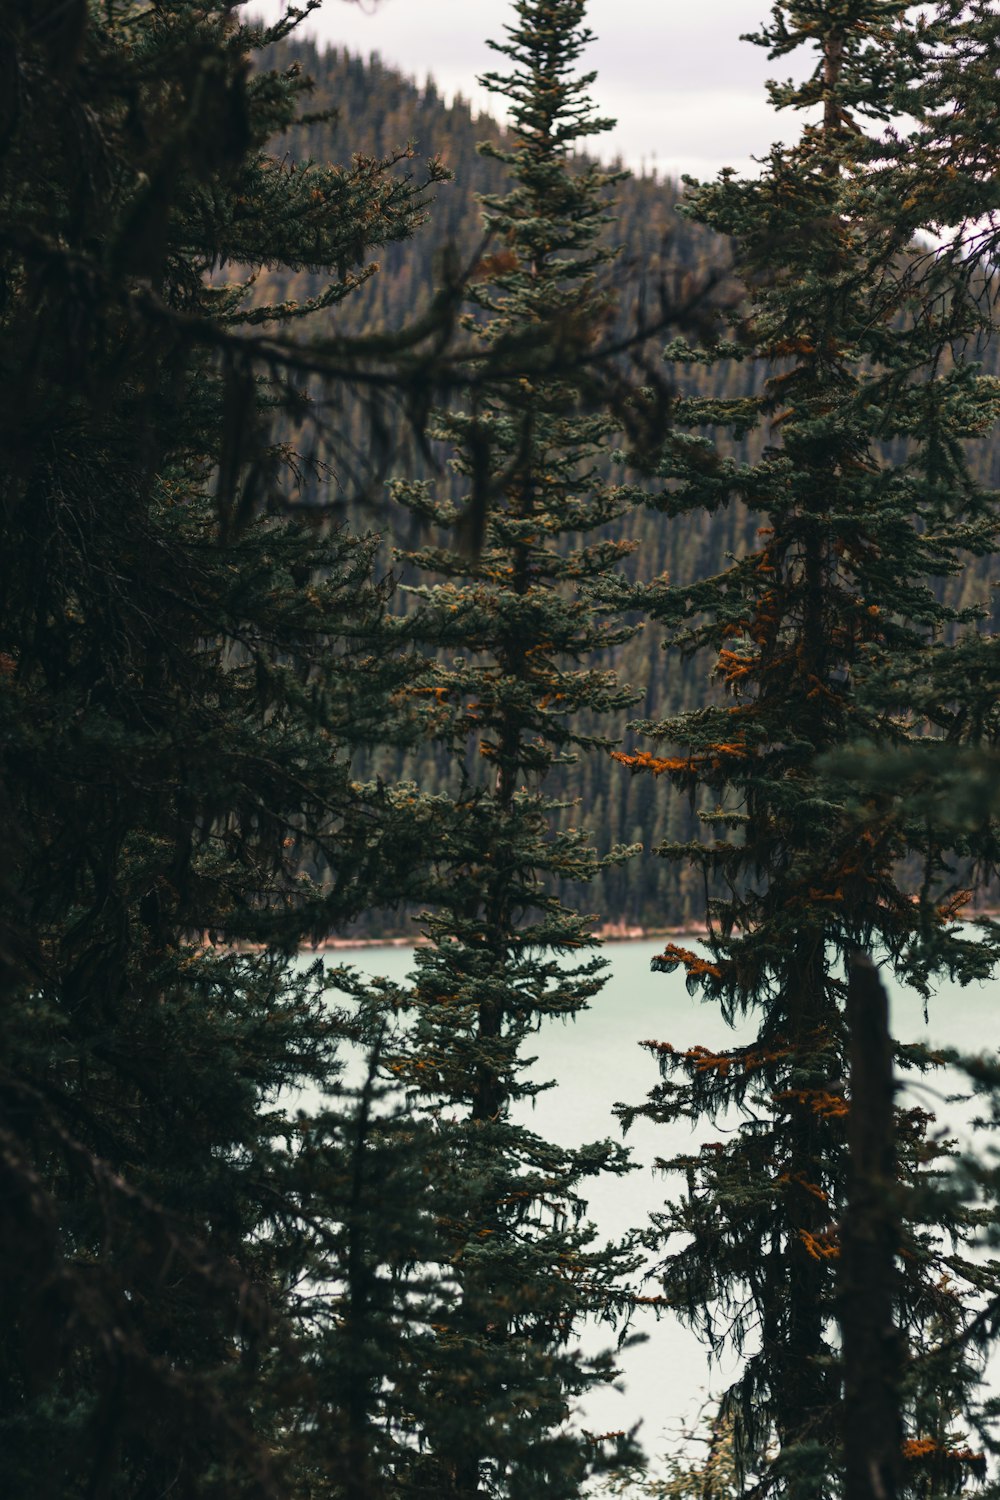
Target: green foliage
203 1290
512 629
664 257
840 583
182 673
937 175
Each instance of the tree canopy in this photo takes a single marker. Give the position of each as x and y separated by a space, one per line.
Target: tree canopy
272 1229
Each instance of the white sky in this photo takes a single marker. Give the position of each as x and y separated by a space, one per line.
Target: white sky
687 93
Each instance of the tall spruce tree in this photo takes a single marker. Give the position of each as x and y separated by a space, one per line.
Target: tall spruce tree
181 675
936 181
839 579
935 173
509 690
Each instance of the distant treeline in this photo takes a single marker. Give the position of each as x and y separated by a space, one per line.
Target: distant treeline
378 111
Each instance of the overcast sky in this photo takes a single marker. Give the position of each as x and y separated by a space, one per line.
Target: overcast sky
687 93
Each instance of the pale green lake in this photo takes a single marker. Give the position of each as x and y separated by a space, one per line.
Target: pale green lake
597 1061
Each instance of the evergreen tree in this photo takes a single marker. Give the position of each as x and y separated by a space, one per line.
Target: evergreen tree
839 580
182 671
936 182
510 691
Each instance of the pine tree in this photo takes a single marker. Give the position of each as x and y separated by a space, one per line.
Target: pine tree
936 181
183 667
509 690
839 579
934 178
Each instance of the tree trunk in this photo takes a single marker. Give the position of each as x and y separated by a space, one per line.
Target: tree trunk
873 1432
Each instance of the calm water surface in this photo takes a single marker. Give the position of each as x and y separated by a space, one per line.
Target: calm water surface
598 1061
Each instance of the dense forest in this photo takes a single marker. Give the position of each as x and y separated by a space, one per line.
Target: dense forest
467 538
663 260
664 256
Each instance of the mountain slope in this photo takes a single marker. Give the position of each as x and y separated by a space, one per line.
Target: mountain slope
378 113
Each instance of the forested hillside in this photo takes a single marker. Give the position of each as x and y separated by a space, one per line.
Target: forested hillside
665 258
327 600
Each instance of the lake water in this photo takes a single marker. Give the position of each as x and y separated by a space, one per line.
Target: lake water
598 1061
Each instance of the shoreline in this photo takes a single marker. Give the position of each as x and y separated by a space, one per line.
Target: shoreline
616 932
611 932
